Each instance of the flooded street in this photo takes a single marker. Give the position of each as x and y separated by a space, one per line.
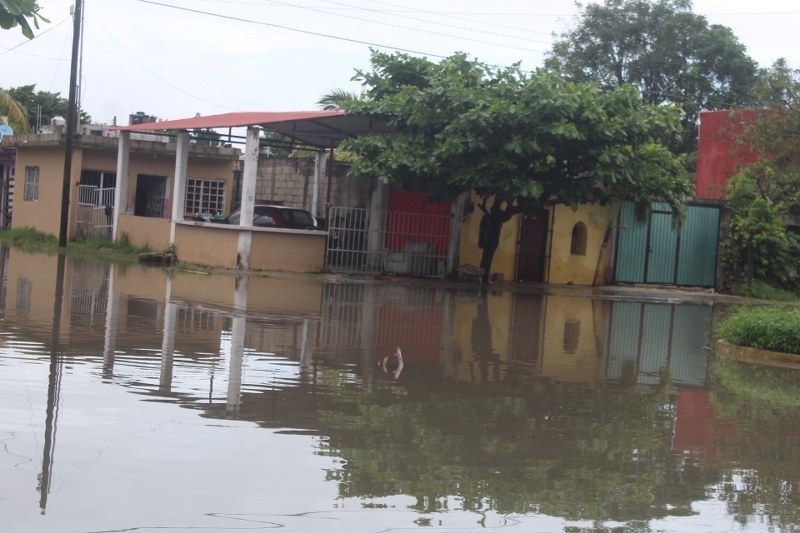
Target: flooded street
133 399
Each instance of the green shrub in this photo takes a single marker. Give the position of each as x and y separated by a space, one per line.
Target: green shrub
763 291
767 328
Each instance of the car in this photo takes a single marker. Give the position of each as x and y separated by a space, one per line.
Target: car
278 216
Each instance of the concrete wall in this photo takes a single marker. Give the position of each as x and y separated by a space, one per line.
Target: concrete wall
505 258
144 232
290 181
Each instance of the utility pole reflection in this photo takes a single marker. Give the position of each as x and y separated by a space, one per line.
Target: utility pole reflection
53 390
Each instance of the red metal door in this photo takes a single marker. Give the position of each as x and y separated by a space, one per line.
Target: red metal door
532 245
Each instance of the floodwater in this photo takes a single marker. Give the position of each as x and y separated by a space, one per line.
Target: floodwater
137 400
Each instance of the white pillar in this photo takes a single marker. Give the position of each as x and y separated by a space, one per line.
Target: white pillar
320 158
121 188
179 183
249 173
454 241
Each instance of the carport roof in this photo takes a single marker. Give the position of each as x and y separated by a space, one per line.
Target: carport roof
324 129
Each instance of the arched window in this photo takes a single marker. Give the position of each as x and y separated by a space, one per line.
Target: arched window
578 244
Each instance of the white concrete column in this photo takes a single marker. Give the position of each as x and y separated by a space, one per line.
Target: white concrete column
121 188
320 159
179 183
249 173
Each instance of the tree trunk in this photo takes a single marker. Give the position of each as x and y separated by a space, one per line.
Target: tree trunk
491 241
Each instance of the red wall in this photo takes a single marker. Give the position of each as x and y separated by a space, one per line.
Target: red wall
718 157
417 229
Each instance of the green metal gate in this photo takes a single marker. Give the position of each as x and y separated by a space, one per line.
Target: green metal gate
652 252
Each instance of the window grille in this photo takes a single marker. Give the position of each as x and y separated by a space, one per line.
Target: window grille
204 196
31 193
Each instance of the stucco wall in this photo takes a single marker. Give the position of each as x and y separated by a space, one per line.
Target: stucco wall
144 231
505 258
44 213
291 251
566 268
212 245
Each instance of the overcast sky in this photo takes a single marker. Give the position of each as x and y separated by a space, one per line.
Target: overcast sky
177 58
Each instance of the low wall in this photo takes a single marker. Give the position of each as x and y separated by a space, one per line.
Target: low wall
217 245
144 231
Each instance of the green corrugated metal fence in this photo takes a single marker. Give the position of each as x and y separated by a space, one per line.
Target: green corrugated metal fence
652 252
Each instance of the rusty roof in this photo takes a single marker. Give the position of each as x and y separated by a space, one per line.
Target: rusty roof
324 129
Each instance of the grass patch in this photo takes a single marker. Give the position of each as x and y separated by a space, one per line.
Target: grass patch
775 329
33 241
763 291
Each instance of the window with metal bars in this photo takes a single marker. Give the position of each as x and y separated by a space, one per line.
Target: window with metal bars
204 196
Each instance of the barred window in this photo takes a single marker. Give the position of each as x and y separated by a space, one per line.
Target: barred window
204 196
31 192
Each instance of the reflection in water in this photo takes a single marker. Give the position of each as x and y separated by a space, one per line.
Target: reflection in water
516 408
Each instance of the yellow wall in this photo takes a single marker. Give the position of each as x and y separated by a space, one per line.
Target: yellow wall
564 267
580 359
505 258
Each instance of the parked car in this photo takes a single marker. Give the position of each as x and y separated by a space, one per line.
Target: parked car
278 216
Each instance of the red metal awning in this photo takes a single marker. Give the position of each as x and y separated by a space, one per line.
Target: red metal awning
324 129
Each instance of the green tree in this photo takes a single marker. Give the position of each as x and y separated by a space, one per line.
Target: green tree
763 194
518 140
42 106
20 13
15 111
671 54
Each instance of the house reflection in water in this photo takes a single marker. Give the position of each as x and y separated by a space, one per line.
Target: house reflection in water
161 331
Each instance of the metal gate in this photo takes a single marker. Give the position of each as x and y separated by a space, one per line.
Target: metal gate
652 252
94 218
361 241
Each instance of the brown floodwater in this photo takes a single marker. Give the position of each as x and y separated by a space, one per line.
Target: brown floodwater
138 399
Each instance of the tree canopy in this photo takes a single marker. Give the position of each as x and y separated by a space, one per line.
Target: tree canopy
672 55
518 140
20 13
41 106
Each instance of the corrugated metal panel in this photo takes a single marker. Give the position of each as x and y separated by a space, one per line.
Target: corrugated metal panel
623 341
697 256
646 338
655 343
631 247
690 338
662 248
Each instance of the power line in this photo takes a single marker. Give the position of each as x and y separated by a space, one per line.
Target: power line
283 27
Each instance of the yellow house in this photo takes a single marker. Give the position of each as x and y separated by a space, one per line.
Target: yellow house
557 245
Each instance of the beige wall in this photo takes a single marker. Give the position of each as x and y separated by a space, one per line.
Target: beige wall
289 251
144 232
44 213
216 245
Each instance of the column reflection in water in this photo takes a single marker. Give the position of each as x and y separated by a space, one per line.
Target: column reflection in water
110 339
168 341
233 399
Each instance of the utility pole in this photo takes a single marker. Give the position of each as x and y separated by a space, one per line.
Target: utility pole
72 121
